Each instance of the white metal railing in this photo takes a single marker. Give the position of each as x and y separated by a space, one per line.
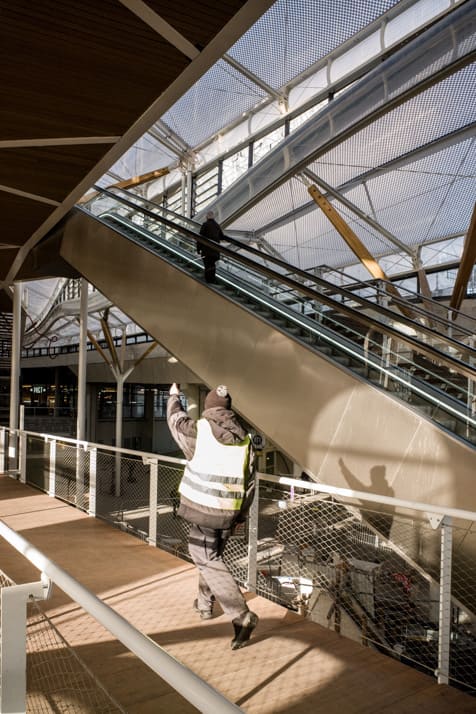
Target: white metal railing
439 516
12 691
148 500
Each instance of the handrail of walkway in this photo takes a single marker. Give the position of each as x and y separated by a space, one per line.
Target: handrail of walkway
88 445
428 508
204 697
316 486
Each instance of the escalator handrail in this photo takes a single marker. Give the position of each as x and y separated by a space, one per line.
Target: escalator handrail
429 351
137 233
338 289
450 324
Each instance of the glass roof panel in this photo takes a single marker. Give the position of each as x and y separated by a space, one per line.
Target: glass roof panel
217 99
283 200
421 200
419 121
294 34
147 154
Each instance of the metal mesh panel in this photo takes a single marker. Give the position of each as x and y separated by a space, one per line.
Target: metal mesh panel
122 492
402 131
37 462
57 680
70 474
236 555
322 245
300 33
370 575
214 101
426 187
463 634
285 199
172 531
146 154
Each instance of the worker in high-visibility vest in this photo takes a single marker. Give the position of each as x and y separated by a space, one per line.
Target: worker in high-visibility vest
215 494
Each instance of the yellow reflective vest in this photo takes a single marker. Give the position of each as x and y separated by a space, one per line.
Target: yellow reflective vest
215 478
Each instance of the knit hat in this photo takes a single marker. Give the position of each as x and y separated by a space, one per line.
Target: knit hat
218 397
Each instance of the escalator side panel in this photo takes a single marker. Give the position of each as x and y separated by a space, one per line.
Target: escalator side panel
314 410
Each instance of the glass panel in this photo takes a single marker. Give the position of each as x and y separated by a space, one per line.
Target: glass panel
263 146
234 167
356 56
420 13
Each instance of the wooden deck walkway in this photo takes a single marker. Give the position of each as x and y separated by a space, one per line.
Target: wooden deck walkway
290 665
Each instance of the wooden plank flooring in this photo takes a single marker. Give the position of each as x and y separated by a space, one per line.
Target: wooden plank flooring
290 665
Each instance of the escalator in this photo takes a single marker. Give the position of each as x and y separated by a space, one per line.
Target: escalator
326 375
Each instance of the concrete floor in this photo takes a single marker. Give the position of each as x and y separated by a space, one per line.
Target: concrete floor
290 665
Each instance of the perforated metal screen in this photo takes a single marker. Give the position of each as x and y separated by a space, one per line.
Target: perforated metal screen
294 34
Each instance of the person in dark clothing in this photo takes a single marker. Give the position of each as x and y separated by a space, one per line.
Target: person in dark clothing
211 230
216 491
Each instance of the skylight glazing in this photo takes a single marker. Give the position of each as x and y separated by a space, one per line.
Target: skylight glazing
294 34
421 199
214 101
148 155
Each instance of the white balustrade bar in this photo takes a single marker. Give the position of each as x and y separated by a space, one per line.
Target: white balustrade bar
182 679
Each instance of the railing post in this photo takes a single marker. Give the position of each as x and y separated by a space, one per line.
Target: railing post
14 599
22 456
3 441
12 451
22 446
52 469
444 639
93 456
154 475
253 540
471 391
80 472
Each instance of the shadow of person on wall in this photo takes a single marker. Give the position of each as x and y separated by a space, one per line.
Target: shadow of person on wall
381 517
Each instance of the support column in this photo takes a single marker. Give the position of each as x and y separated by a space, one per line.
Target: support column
119 405
15 359
184 194
82 363
15 376
465 269
81 414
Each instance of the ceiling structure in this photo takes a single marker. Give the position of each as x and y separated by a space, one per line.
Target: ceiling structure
80 83
131 88
374 104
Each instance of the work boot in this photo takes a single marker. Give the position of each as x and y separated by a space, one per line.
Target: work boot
204 614
243 626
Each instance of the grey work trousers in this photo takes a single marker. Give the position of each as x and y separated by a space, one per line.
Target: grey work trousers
206 547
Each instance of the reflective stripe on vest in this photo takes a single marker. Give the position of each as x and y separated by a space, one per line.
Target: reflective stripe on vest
215 476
